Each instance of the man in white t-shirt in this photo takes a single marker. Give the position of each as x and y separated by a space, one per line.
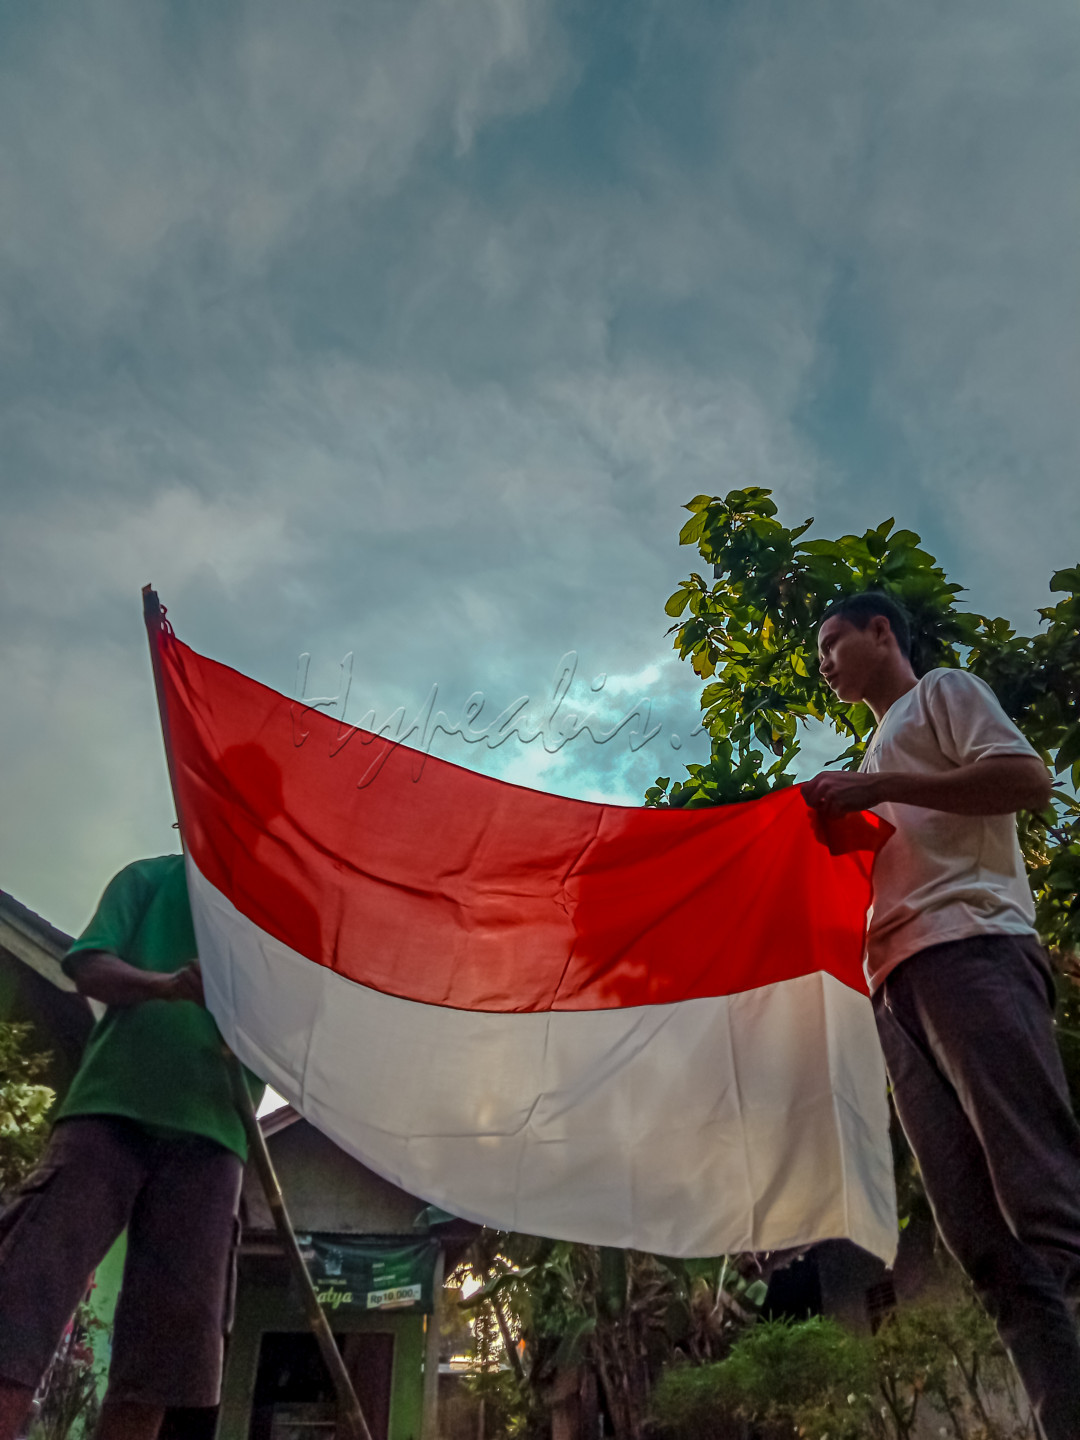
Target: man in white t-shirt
961 988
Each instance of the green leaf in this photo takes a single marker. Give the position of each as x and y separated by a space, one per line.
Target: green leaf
699 502
830 548
1066 579
696 1268
1069 749
693 530
677 602
755 1292
895 564
572 1345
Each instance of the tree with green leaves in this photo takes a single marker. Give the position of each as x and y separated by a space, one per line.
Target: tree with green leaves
932 1368
24 1103
622 1314
750 633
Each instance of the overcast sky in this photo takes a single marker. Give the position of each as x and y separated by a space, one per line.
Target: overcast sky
405 329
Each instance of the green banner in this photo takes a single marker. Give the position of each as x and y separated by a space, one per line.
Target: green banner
354 1274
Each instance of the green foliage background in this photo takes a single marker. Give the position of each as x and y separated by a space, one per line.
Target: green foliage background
623 1314
24 1103
935 1366
750 633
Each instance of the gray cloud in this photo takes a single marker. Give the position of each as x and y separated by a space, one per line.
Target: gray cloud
405 329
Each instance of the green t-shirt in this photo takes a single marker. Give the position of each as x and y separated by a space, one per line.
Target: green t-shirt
159 1062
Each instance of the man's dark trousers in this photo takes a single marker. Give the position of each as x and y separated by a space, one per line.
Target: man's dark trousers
967 1030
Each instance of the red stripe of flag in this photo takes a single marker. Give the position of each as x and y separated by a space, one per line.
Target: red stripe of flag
421 879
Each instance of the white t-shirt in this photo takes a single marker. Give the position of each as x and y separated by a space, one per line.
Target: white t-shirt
944 877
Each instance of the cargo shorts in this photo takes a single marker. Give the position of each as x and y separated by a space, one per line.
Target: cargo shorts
177 1196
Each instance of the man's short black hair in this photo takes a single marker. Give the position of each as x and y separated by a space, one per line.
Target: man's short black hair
859 610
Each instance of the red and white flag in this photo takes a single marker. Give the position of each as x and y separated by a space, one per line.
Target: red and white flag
628 1027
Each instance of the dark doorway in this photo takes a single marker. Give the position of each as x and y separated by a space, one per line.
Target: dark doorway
794 1291
294 1398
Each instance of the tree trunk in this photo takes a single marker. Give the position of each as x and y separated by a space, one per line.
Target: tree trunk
623 1371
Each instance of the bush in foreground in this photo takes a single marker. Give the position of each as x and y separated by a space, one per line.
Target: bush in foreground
817 1380
814 1376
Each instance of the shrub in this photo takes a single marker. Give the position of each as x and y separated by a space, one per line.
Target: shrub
694 1402
24 1103
813 1377
938 1363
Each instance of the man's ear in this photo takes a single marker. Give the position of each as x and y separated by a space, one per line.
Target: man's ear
882 630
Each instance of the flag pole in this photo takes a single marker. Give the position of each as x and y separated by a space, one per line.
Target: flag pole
348 1405
350 1415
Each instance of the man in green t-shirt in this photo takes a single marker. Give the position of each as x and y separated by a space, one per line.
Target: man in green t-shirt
148 1138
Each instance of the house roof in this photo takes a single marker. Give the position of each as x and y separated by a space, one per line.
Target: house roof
32 940
279 1119
34 988
330 1192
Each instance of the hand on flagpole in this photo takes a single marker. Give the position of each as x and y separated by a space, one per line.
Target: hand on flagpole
186 984
101 975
